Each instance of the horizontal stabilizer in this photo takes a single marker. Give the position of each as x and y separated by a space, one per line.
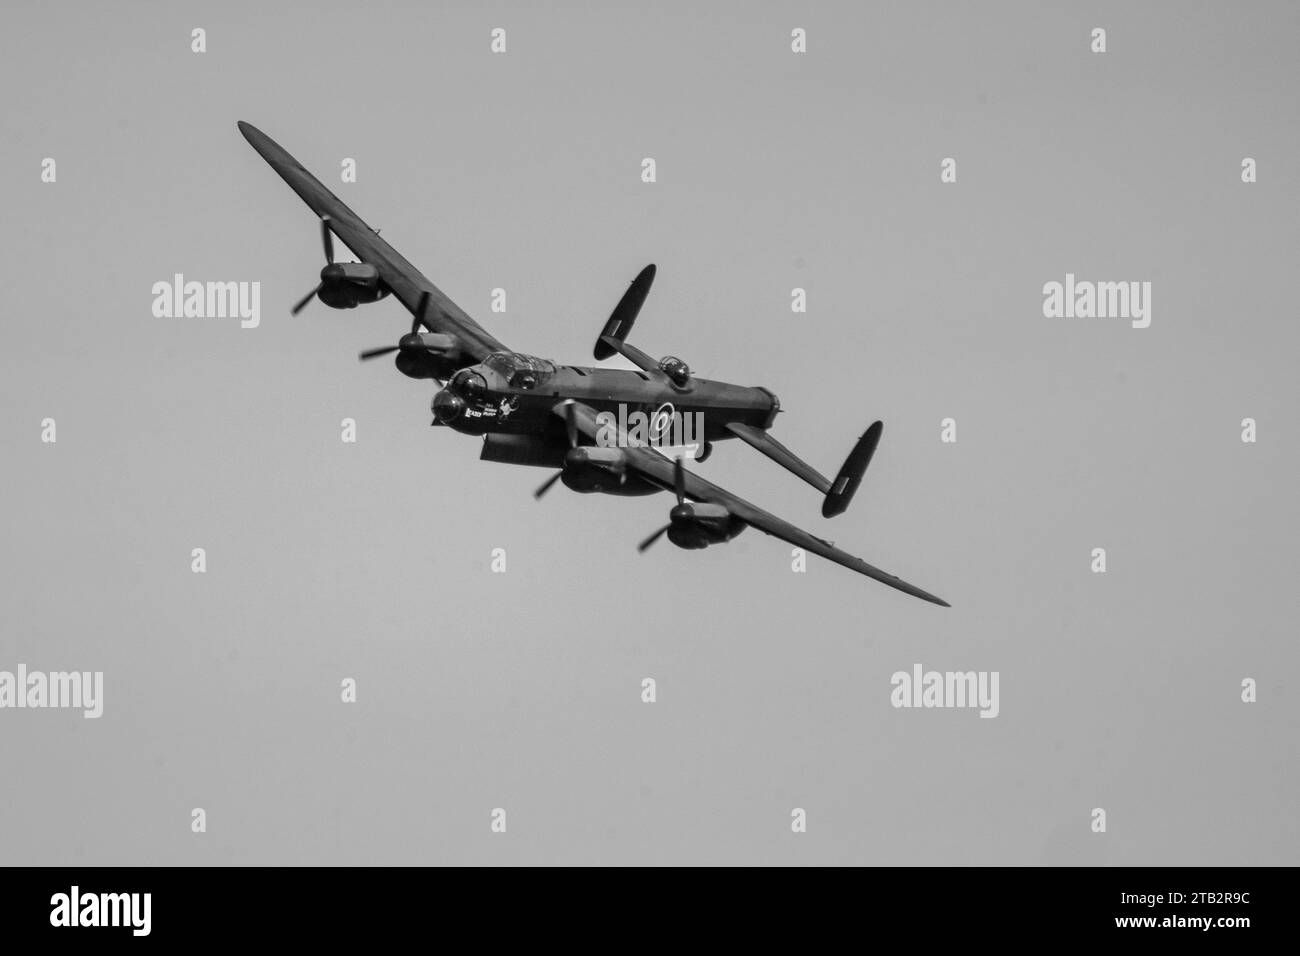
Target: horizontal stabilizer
783 456
630 352
850 476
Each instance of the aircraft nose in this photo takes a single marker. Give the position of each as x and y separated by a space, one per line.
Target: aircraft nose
447 407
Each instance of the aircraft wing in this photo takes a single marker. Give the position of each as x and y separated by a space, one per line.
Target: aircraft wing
657 468
405 281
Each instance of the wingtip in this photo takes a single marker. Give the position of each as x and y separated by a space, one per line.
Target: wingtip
251 132
916 592
932 598
926 596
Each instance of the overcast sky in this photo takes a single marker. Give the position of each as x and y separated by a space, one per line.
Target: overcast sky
522 690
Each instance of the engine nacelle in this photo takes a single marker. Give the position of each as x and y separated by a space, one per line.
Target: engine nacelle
428 355
695 525
426 365
345 285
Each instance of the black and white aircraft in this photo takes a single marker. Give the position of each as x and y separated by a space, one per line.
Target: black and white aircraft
601 428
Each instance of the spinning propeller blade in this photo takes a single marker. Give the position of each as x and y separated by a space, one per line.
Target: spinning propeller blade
416 320
571 423
327 241
302 303
546 485
571 429
679 489
420 316
652 539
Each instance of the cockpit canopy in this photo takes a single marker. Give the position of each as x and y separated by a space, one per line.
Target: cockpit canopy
520 371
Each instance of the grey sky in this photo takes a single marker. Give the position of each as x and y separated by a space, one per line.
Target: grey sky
522 690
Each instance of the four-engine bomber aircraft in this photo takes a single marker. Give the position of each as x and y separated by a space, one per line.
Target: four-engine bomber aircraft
534 412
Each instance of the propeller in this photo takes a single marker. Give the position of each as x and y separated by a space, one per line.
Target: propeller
327 242
653 538
411 340
327 239
368 354
546 485
571 428
679 488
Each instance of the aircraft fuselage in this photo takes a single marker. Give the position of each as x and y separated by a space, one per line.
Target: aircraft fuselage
512 394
